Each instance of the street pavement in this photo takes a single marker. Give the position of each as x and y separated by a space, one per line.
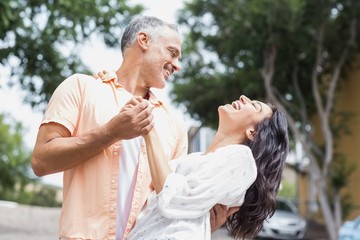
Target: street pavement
28 222
40 223
19 222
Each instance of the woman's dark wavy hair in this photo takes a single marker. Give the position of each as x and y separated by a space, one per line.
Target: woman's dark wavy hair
270 148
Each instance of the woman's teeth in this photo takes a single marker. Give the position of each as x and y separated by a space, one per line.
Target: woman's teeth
236 105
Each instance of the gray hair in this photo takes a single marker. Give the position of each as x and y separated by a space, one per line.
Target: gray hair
149 25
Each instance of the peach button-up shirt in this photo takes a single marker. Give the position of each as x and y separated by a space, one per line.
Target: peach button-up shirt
80 104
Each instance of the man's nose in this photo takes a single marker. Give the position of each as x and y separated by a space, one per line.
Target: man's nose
176 65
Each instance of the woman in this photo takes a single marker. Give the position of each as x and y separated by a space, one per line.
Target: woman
242 167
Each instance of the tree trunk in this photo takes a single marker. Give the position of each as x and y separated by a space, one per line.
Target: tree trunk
327 213
337 210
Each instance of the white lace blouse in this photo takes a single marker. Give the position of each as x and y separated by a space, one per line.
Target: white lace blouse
181 209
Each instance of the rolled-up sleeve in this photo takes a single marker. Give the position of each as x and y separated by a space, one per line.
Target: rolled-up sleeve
64 105
224 178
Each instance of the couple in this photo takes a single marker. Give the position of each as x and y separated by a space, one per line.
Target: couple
94 131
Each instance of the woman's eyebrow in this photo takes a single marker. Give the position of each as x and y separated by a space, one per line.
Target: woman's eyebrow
259 104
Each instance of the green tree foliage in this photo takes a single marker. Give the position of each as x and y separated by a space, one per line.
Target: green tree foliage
39 195
228 42
288 190
38 38
14 157
294 53
17 182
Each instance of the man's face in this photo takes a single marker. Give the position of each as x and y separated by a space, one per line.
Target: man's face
162 58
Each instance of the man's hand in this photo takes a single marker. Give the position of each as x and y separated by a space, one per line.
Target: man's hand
218 215
133 120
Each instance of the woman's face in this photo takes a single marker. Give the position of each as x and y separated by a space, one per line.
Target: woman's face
243 115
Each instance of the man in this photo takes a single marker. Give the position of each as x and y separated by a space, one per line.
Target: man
92 131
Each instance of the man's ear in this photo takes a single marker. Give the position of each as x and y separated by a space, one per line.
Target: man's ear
143 40
250 133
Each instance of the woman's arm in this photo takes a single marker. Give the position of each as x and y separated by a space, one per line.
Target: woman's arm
159 167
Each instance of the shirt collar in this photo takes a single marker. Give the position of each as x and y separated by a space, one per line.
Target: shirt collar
111 77
154 100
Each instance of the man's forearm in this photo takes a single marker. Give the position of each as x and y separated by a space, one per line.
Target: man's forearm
55 150
61 153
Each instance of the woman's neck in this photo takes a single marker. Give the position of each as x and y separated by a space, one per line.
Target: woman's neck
222 140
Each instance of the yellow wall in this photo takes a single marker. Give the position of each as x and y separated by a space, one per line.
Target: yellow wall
303 194
349 100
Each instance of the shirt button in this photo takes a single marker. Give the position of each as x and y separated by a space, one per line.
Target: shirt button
112 209
115 153
111 226
112 180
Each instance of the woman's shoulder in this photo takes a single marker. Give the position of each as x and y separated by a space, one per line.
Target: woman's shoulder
239 154
236 148
186 158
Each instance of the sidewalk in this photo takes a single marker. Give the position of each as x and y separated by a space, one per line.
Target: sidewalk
28 222
40 223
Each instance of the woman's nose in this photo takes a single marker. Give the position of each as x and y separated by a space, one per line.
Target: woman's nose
243 99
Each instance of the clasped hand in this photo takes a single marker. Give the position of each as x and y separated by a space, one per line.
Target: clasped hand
134 119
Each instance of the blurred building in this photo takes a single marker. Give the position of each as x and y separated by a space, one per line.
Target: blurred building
347 100
199 138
